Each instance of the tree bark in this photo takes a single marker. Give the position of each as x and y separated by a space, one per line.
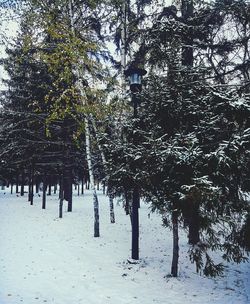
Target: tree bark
44 192
92 182
70 197
37 185
187 9
22 183
82 185
175 258
194 225
32 186
111 207
87 138
17 181
49 184
61 195
104 187
105 167
31 190
67 188
55 188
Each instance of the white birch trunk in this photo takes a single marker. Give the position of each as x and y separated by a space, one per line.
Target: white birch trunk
111 200
91 179
87 135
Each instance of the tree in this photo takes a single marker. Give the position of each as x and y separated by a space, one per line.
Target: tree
185 123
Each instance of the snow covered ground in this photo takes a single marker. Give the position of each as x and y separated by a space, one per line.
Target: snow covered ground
44 259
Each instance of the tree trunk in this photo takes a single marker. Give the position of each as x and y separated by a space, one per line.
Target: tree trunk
111 206
70 198
11 188
61 195
67 188
44 192
128 204
17 176
32 186
87 138
175 258
31 193
22 183
87 184
92 182
78 189
187 9
49 184
103 187
55 188
82 185
194 225
37 185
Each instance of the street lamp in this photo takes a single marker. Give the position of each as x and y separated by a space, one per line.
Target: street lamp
135 77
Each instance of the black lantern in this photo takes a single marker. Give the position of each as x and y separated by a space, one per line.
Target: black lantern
135 78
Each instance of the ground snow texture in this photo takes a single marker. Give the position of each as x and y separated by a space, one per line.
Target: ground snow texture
44 259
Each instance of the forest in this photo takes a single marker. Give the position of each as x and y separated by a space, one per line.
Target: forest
147 101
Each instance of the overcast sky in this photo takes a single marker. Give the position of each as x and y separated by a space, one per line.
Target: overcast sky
8 30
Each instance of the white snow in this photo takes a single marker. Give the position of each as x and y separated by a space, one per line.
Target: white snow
44 259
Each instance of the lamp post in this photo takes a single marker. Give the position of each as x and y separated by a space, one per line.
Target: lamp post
135 76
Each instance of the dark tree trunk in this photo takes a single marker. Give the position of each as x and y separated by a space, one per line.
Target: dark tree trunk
70 198
187 9
127 204
22 183
49 185
37 185
194 225
75 186
44 192
96 216
135 224
111 207
11 188
61 196
82 185
32 186
103 187
31 193
67 187
17 183
98 185
175 258
55 188
78 189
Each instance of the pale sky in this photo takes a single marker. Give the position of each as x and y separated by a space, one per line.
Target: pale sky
8 30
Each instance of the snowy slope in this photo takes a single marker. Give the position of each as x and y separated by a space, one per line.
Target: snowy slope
44 259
